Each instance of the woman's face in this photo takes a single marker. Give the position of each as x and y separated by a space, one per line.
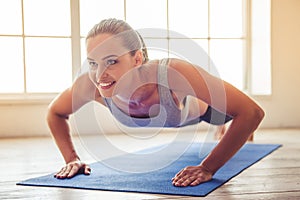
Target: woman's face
108 62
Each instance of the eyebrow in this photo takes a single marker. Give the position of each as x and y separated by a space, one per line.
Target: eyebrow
104 57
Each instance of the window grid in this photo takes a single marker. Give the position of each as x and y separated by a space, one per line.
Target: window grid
245 38
23 45
35 95
76 49
247 53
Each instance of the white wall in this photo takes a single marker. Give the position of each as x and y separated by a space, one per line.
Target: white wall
282 107
23 120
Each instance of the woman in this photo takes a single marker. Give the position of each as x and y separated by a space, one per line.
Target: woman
139 92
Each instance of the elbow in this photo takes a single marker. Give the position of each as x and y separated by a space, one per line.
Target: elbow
256 115
251 116
259 114
50 114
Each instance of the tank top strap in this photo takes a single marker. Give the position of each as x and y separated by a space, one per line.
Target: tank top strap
166 98
163 72
163 84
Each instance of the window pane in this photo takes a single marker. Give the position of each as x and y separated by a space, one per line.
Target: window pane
203 44
226 18
191 23
203 54
10 17
48 64
11 65
47 17
93 11
261 58
194 51
141 14
84 65
83 49
227 56
157 48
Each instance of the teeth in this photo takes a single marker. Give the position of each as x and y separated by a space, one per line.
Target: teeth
105 84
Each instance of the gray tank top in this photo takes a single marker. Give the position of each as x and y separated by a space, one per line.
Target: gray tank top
169 114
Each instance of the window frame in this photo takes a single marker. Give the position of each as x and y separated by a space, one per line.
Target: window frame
42 98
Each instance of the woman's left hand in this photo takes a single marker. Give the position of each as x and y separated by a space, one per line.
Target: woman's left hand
192 176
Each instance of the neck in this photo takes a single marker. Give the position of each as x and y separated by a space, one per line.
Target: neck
140 102
143 93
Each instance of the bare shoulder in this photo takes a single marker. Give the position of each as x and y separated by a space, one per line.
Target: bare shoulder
147 72
84 90
186 78
191 73
211 89
70 100
83 87
185 67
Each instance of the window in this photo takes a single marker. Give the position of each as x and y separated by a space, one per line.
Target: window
259 48
40 51
223 29
35 46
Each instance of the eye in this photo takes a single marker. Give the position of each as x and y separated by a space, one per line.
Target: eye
111 62
93 65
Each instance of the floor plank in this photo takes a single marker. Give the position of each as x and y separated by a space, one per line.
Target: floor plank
275 177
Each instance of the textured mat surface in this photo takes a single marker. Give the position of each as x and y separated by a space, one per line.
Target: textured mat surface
159 181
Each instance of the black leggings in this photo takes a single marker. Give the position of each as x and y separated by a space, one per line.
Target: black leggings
215 117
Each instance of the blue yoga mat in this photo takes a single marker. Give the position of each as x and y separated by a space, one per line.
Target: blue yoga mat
159 181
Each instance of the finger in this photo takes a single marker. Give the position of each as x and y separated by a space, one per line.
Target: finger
188 181
176 178
64 172
57 173
179 177
184 181
60 173
69 168
196 182
201 179
178 174
72 171
87 170
182 172
180 180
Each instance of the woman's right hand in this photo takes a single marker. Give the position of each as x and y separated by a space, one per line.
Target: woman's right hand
73 168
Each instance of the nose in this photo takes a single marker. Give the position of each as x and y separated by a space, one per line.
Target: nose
100 75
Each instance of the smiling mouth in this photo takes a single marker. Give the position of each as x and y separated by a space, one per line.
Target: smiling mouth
106 85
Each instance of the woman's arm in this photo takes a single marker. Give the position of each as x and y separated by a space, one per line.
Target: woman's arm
66 103
246 114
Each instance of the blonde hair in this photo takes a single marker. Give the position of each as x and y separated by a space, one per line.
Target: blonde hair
131 38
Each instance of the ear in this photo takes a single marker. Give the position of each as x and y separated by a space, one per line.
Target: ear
138 58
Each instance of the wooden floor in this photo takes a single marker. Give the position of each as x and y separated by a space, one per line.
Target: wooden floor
275 177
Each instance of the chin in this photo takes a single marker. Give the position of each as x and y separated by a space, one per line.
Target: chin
107 93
